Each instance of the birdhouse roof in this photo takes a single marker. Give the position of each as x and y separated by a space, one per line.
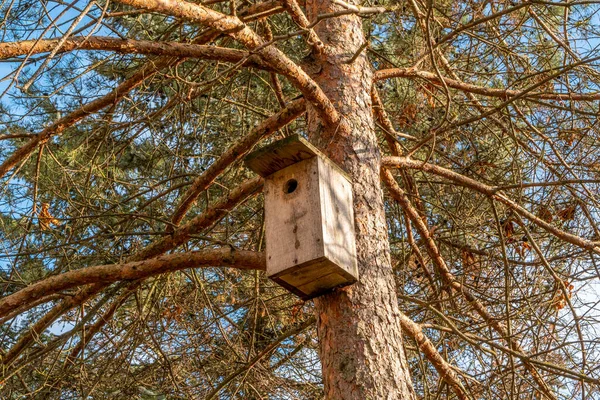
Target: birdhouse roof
283 153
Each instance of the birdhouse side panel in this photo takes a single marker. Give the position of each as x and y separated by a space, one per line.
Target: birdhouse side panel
338 218
293 217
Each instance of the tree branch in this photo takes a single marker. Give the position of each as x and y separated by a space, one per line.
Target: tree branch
235 152
398 194
43 323
428 349
206 219
300 19
238 30
484 91
404 162
241 259
127 46
113 97
71 119
259 356
212 214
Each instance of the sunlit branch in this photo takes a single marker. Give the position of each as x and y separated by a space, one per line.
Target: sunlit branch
110 273
178 237
428 349
238 30
480 90
59 126
299 18
269 126
196 225
151 68
404 162
130 46
43 323
398 194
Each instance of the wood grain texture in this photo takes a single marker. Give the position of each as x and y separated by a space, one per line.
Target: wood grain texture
293 220
285 152
337 217
314 278
281 154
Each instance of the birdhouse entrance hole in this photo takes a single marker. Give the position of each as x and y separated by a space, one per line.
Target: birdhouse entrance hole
291 186
309 218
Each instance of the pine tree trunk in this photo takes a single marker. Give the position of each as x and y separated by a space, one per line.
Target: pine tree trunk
359 330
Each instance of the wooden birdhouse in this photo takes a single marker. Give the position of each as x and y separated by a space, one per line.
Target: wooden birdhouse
309 218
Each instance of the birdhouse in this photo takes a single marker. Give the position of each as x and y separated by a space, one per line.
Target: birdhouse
309 218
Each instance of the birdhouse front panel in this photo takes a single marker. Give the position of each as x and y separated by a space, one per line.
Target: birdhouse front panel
293 217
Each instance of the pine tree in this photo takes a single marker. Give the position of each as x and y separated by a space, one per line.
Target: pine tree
133 235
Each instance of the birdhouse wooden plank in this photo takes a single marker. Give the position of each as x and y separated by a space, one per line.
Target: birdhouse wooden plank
309 218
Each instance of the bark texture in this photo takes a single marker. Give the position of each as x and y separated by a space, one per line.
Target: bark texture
126 46
359 326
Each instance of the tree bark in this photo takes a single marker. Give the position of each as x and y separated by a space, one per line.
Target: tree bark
358 326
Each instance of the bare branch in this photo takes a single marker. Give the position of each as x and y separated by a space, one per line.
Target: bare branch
107 274
404 162
484 91
399 195
58 127
443 368
130 46
299 18
43 323
269 126
235 28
